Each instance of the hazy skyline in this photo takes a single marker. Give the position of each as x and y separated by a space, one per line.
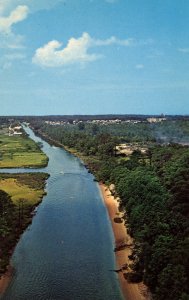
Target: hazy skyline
94 57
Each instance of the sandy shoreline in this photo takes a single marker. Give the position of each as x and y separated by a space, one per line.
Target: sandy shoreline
5 280
131 291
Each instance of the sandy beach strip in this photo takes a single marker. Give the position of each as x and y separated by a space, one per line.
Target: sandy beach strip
131 291
5 280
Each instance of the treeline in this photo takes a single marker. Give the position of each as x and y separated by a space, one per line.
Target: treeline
133 128
84 118
155 194
72 118
89 143
154 191
156 199
172 131
169 131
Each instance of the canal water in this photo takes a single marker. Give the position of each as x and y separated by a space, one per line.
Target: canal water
67 251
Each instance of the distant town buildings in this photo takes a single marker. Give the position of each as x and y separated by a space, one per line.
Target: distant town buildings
155 120
129 148
16 130
107 121
95 121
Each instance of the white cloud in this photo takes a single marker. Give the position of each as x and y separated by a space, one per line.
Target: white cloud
184 50
8 39
14 11
17 15
8 5
76 51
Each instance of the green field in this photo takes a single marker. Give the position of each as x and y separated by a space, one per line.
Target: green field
20 151
19 195
16 185
26 186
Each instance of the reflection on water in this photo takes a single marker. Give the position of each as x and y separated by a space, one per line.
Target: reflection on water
67 252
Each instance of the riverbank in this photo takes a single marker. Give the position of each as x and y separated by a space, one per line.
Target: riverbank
20 194
85 159
131 291
5 280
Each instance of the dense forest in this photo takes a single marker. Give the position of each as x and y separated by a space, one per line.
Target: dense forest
154 191
7 225
169 131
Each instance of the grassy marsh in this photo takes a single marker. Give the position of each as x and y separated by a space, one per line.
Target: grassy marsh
19 195
20 151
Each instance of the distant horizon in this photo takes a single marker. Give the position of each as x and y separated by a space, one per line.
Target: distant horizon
93 115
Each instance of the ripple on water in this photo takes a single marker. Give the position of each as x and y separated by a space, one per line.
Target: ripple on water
68 251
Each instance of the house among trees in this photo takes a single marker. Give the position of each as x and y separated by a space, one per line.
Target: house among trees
15 130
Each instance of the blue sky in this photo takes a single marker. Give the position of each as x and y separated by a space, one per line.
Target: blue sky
94 57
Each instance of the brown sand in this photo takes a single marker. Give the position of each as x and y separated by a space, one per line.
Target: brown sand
5 280
131 291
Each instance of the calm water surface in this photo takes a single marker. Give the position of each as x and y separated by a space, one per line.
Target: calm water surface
67 252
